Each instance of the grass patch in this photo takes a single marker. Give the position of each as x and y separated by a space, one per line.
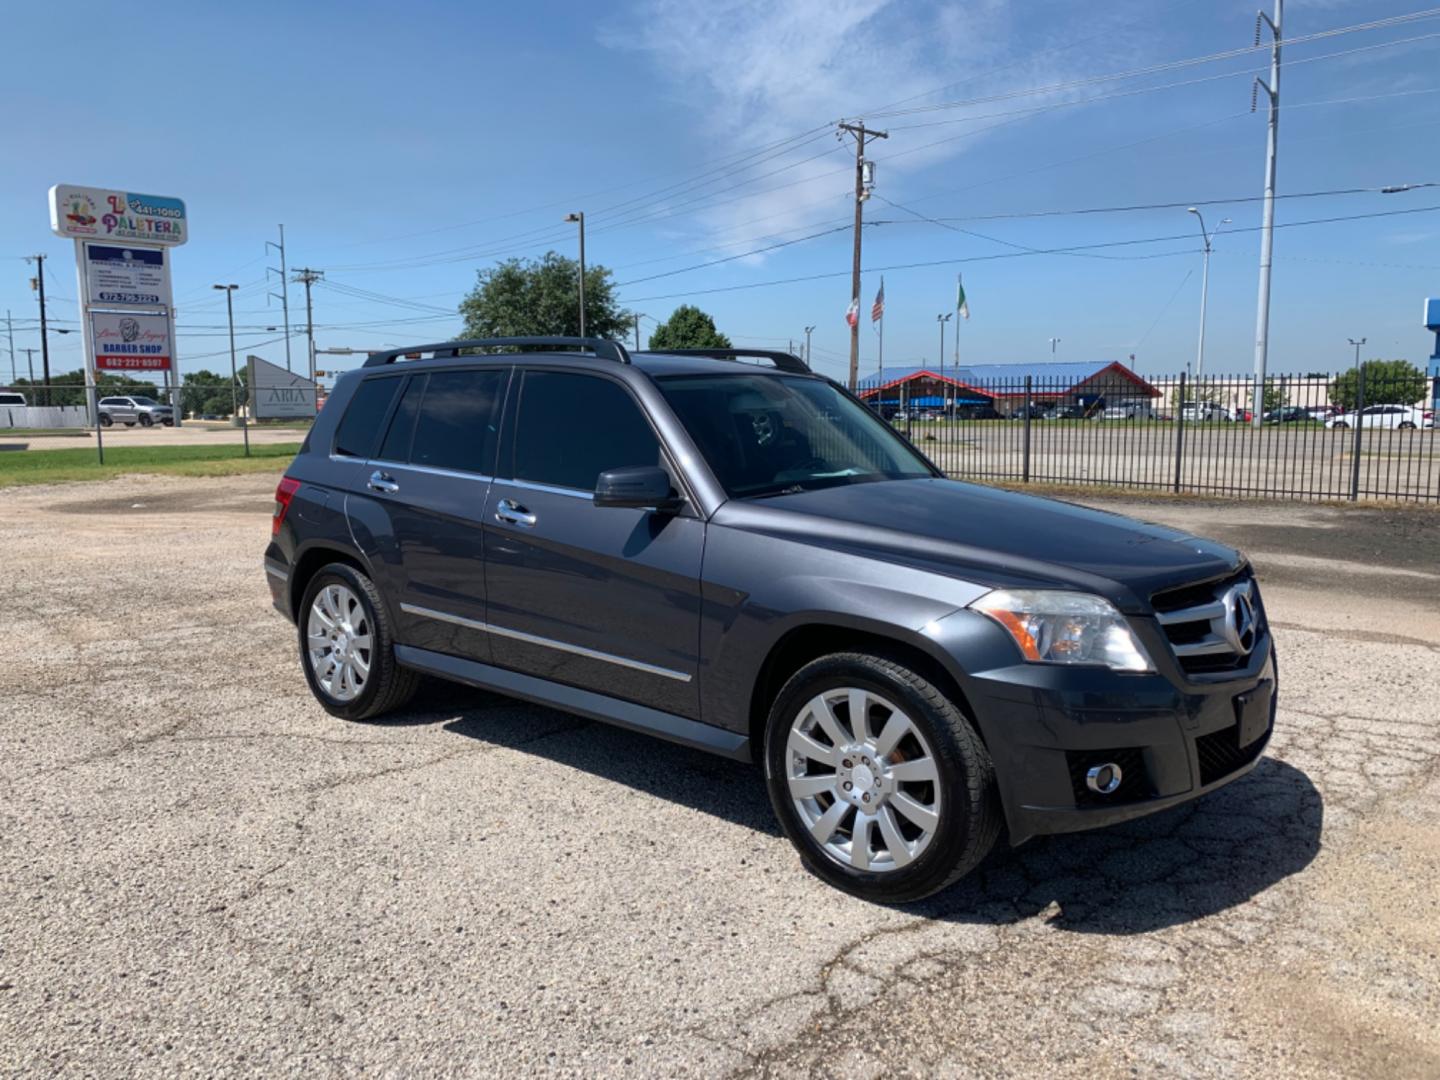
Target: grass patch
62 466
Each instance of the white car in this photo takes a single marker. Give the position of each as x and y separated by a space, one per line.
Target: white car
1384 416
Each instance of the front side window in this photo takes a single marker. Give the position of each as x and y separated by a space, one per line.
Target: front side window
773 434
572 427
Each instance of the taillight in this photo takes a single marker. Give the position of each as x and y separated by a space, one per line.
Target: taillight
284 492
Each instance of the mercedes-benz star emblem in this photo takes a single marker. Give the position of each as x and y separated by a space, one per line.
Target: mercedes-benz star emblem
1240 621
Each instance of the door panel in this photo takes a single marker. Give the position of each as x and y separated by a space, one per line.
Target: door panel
603 598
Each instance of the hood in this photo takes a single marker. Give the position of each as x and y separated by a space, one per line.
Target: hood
992 537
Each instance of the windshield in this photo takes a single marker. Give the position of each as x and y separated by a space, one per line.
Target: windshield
774 434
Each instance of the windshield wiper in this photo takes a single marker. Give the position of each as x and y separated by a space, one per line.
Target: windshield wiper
792 489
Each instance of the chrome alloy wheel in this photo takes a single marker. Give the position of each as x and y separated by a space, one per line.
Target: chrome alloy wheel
338 634
863 779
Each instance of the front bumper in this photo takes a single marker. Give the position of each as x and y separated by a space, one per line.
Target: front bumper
1177 737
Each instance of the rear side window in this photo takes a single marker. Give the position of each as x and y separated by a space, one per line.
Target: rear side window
360 429
456 428
396 446
572 427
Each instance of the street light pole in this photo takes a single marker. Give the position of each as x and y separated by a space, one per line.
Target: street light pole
808 331
1053 342
579 218
229 291
1357 345
1204 287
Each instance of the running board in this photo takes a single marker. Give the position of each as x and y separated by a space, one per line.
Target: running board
625 714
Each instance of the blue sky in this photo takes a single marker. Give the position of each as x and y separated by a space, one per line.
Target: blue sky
406 146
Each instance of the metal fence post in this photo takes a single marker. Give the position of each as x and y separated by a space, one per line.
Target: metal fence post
1025 456
1179 432
1359 427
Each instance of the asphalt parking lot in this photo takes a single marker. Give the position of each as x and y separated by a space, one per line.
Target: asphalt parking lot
202 873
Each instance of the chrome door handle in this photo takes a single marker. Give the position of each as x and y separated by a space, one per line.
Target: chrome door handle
381 481
512 512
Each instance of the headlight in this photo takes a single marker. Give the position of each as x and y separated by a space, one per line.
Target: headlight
1053 627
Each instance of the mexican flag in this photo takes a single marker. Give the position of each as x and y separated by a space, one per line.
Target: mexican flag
961 304
852 313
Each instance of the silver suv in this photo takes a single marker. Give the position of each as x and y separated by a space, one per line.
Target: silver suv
131 410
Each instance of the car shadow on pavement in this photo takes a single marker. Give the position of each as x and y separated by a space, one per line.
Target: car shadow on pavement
1173 867
730 790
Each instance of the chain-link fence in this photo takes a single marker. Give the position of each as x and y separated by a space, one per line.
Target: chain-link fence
1345 436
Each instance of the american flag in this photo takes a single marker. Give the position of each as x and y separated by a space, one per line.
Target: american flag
877 310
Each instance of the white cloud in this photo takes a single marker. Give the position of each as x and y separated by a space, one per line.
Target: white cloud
755 72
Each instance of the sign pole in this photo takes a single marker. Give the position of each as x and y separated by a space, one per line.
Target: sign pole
92 397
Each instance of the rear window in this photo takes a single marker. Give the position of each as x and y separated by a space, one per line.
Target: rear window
12 399
360 429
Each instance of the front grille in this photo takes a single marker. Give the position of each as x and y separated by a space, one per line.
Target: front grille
1134 784
1197 620
1220 753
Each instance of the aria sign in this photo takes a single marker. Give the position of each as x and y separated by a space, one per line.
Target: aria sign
83 213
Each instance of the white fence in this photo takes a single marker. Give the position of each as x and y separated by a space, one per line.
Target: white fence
43 416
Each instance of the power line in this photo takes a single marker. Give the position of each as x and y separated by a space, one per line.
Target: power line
1022 254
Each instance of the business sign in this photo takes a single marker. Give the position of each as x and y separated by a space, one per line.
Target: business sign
1432 315
277 394
104 214
126 276
130 341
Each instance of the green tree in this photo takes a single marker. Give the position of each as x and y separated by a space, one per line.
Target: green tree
1387 382
1276 396
688 328
538 298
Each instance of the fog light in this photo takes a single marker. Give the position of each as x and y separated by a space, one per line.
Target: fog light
1104 779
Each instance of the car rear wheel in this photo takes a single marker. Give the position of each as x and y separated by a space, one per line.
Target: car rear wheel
1341 425
347 647
1408 425
878 779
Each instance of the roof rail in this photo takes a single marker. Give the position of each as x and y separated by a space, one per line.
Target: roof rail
784 361
601 347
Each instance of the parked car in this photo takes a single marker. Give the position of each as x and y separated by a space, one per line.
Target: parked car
1290 414
131 410
1203 412
1128 410
12 398
1064 412
747 561
1383 416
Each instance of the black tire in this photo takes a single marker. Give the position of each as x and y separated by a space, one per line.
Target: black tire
388 686
1407 426
970 813
168 423
105 420
146 420
1340 425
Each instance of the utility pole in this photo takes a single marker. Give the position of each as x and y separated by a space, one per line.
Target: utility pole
39 281
864 182
579 217
808 331
30 363
284 295
308 277
1267 224
638 316
10 329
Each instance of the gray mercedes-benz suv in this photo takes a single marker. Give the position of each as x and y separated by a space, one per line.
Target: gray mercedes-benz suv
745 559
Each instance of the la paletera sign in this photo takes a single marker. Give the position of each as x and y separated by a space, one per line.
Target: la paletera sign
86 213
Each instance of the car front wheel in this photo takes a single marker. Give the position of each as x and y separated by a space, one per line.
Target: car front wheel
347 647
879 781
105 421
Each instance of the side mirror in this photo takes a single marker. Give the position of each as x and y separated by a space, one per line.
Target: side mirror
639 487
